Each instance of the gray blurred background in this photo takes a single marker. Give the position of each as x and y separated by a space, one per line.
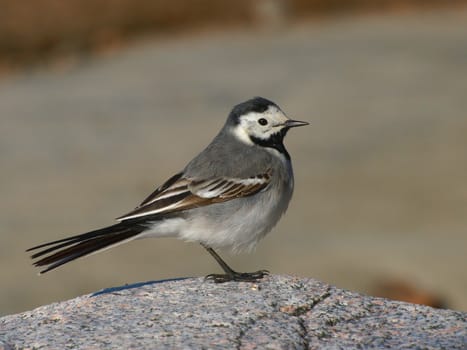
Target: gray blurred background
88 130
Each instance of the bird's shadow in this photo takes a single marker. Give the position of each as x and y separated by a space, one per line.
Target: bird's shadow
135 285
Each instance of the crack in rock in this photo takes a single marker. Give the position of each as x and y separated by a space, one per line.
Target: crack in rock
292 312
301 310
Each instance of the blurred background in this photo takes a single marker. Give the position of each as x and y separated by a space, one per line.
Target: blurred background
101 101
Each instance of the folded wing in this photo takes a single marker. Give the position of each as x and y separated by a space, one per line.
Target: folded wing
180 193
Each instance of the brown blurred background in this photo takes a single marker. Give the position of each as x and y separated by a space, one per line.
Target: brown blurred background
101 101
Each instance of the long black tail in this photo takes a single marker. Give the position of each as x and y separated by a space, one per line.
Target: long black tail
57 253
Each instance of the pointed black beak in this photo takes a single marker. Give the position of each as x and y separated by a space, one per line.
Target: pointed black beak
294 123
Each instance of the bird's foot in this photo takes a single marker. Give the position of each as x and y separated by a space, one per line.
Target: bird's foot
237 276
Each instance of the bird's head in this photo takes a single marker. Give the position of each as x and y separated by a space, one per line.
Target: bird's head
260 121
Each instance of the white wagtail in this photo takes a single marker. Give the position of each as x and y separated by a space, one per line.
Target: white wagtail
229 196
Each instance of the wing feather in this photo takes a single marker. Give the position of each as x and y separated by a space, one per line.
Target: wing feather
180 193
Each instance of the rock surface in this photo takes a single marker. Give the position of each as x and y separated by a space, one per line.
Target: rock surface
280 312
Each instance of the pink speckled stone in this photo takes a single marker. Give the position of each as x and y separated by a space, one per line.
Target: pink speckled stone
280 312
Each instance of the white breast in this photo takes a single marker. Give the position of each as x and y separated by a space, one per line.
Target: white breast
239 224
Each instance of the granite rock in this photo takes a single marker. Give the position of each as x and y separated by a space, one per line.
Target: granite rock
280 312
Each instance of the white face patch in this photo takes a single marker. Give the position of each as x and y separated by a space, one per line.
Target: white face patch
241 134
259 125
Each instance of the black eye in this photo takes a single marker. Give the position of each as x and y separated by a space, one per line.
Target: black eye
262 121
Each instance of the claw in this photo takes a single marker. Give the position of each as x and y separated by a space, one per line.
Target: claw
237 276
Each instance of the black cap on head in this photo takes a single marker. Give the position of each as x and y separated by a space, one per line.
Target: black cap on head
256 104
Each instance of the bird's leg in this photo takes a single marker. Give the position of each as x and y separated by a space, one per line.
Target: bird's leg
231 275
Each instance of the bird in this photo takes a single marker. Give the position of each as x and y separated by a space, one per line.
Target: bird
229 196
